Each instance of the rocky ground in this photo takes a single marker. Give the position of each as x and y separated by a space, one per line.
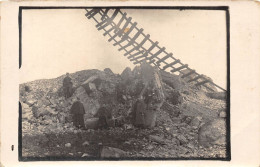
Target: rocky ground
189 124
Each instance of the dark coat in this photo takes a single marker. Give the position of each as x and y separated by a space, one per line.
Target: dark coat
139 111
67 81
77 108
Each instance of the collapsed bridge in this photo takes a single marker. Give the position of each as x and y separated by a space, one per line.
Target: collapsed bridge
138 47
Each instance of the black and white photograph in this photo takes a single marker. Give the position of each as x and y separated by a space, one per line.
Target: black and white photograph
124 83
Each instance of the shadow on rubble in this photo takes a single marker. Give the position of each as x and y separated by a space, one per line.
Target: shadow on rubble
85 144
177 118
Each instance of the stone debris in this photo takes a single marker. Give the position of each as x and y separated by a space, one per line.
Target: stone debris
67 145
86 143
108 71
31 102
222 114
90 79
85 155
126 75
182 139
92 123
174 81
160 107
149 147
195 122
157 139
110 152
217 95
213 132
150 119
194 109
128 126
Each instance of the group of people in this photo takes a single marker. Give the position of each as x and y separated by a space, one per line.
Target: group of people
77 108
144 113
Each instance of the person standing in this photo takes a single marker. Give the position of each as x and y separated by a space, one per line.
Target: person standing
78 111
67 86
139 112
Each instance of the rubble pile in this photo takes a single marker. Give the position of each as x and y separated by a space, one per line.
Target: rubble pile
161 106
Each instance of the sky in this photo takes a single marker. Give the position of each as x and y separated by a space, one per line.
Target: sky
56 41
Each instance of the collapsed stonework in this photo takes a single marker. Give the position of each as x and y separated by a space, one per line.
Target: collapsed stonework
143 97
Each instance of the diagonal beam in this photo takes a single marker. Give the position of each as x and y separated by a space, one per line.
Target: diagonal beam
189 73
107 21
151 48
171 64
137 53
92 13
157 53
120 22
131 42
164 58
140 61
120 32
138 46
179 68
105 14
194 79
116 27
202 83
125 36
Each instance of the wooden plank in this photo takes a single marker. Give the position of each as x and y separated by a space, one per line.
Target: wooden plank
108 31
150 49
120 32
158 62
194 79
125 36
109 34
108 21
137 53
138 57
189 73
201 83
92 13
138 46
157 53
89 12
120 22
116 27
209 88
105 14
128 31
164 58
171 64
216 86
128 21
140 61
179 68
131 42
